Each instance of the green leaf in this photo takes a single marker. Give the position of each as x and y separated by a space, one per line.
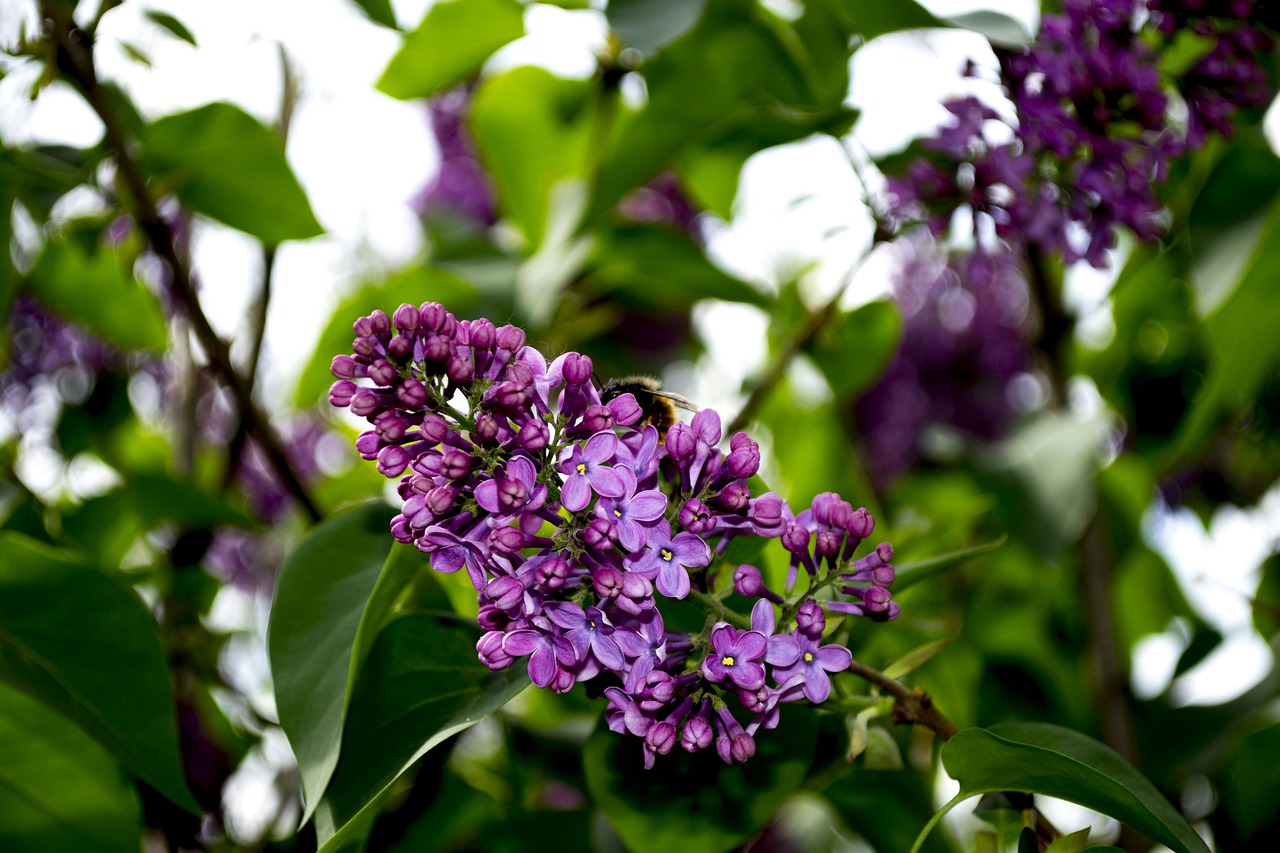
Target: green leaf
853 351
915 659
696 802
533 131
1253 787
1039 758
324 584
420 684
874 18
85 646
665 268
1071 843
94 285
910 574
172 24
40 175
224 163
59 790
450 45
650 25
379 11
885 807
1000 29
405 565
414 285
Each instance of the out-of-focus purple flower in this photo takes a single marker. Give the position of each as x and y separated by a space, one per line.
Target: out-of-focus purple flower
461 186
963 344
663 201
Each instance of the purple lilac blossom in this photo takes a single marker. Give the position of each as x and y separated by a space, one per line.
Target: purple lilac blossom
1092 137
963 344
574 523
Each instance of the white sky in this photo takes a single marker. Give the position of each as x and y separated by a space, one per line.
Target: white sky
361 156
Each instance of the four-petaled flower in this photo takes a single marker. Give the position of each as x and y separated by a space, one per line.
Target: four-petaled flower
736 655
813 664
585 465
631 512
667 558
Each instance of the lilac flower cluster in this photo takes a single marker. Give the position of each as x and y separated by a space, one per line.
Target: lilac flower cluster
963 345
1092 137
574 519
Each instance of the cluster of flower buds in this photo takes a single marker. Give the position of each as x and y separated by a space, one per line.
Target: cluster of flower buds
575 519
1094 132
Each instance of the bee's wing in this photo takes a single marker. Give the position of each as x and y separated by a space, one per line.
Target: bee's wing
683 402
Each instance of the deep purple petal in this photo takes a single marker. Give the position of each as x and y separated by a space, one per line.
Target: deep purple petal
630 534
487 495
566 614
712 668
783 650
521 642
522 469
542 665
723 638
607 651
762 618
747 674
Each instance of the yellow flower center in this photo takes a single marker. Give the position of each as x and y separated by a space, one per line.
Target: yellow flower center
617 513
582 467
808 657
727 660
666 554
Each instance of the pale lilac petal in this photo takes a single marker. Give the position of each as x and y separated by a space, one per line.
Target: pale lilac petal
762 618
691 550
647 506
607 651
706 424
712 668
630 534
607 482
723 638
748 675
576 493
673 581
783 650
817 686
601 447
566 614
522 469
751 645
521 642
833 658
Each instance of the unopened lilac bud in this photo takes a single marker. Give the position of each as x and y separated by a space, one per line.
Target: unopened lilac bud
695 517
563 682
597 419
876 599
343 367
365 402
400 529
491 618
506 593
754 701
607 582
390 425
735 497
510 338
658 688
382 372
459 368
626 411
553 573
827 544
748 581
368 444
341 392
413 394
455 464
363 327
365 345
599 535
512 494
811 620
509 395
490 651
432 316
506 540
486 427
437 348
440 499
401 347
534 436
406 318
696 735
483 335
576 369
743 460
861 524
434 428
662 737
795 539
637 594
885 552
743 748
380 323
392 461
681 443
766 514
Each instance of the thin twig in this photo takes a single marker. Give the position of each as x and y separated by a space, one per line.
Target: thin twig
813 324
75 59
912 706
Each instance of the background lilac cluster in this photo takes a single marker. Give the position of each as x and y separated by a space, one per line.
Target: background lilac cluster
1095 127
574 520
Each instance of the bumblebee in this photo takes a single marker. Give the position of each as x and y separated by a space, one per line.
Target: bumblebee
659 406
